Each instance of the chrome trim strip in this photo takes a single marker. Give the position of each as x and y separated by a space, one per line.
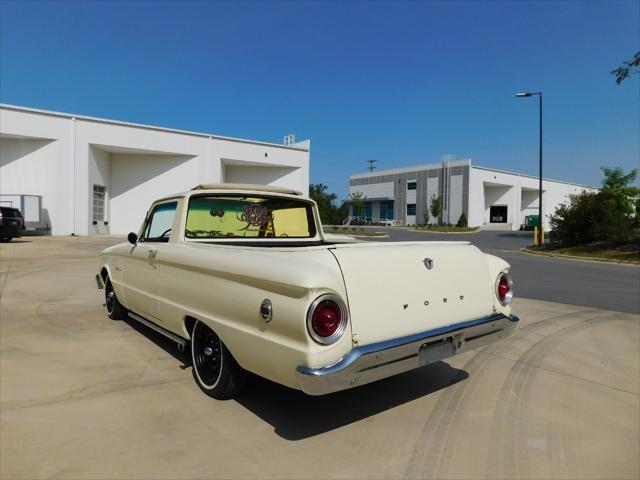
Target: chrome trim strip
171 336
383 359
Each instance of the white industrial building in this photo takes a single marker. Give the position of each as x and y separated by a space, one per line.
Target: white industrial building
489 198
97 176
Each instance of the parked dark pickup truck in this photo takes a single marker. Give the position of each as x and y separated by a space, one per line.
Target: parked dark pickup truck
11 223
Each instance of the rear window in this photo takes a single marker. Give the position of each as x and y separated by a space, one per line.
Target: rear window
10 212
249 217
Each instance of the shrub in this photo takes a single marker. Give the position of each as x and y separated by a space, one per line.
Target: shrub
462 221
604 216
593 217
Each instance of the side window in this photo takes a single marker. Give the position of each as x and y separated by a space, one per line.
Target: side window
160 222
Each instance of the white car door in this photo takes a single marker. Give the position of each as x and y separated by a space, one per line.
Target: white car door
141 268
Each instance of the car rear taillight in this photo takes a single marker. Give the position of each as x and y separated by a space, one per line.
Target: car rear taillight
327 319
504 288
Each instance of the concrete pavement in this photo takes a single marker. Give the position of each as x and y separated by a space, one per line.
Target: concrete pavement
82 396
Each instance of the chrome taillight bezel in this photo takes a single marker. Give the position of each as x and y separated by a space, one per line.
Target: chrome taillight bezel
342 327
509 296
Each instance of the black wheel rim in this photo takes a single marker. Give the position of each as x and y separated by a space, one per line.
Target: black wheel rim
110 297
207 359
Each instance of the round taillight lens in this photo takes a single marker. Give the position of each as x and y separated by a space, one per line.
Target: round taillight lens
327 319
504 288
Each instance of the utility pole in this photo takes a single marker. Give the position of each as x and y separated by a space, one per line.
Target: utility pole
372 165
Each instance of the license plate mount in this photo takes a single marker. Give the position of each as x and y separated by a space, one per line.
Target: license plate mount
435 351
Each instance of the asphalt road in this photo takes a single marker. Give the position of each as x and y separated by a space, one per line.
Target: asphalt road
576 282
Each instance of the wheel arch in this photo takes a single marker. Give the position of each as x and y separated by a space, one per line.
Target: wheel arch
188 323
104 273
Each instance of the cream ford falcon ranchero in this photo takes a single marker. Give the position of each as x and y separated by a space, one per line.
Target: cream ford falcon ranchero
245 276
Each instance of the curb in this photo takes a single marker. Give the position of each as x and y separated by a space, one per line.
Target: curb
584 259
446 233
356 235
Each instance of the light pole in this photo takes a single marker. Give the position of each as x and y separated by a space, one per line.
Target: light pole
530 94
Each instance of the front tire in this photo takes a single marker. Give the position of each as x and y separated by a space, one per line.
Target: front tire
214 369
114 309
5 239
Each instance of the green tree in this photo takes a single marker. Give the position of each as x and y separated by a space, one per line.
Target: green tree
619 187
342 212
325 200
462 221
436 208
608 215
358 199
330 214
627 69
616 179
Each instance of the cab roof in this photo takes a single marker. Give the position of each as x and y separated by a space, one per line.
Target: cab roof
246 187
233 187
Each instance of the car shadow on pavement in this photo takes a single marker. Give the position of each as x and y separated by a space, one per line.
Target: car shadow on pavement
296 416
161 341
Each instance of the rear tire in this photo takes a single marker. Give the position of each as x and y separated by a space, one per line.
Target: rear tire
214 369
5 239
114 309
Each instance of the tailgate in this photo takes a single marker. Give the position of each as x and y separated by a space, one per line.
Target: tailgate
392 292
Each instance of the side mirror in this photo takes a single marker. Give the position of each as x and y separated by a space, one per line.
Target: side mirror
133 238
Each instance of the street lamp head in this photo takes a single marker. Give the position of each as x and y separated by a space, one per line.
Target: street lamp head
524 94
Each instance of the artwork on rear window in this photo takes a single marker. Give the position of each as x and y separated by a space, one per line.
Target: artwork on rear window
248 217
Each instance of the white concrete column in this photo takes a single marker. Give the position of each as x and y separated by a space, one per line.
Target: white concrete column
73 213
517 214
211 168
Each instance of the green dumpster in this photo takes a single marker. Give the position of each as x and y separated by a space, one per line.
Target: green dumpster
531 221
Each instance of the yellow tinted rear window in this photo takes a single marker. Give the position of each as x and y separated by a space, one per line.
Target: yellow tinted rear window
248 217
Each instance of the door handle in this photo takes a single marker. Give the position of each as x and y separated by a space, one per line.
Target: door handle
152 257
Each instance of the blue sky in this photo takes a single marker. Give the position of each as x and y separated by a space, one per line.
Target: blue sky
403 83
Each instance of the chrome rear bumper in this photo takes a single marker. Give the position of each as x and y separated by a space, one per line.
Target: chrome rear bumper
381 360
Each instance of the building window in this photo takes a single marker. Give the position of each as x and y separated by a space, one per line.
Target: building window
98 203
411 208
367 210
386 210
411 186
